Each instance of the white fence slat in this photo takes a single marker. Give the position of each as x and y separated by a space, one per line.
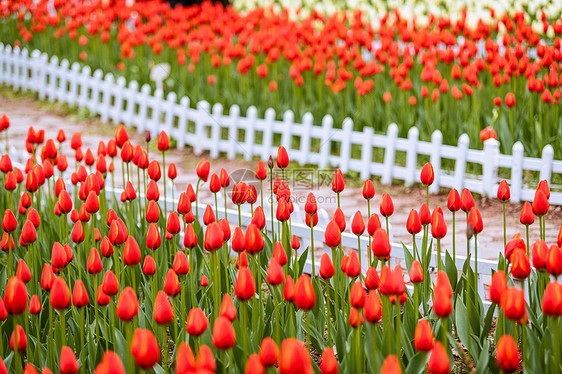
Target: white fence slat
307 120
460 163
182 121
267 139
367 152
233 146
435 159
345 149
325 143
250 133
412 156
516 172
547 158
288 124
215 130
489 167
389 153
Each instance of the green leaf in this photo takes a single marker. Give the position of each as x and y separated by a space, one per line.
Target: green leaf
407 256
417 363
462 326
483 358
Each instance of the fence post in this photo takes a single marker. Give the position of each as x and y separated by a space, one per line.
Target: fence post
182 121
325 145
215 130
169 113
106 97
460 163
307 120
131 93
250 133
74 81
233 145
489 167
367 153
117 110
288 123
155 124
51 91
268 134
412 156
202 112
389 153
85 75
547 158
142 118
63 80
516 172
345 151
435 159
93 102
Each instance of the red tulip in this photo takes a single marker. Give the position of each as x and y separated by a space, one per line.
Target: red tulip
15 296
109 284
202 169
507 354
22 339
310 207
172 285
380 244
149 265
416 272
131 252
80 295
110 363
68 362
23 272
153 239
327 270
498 286
503 191
163 311
527 215
145 349
513 303
391 365
423 336
253 239
34 307
552 299
358 224
60 294
475 220
413 224
520 265
438 360
163 141
269 352
554 261
28 232
245 287
197 322
540 204
227 308
127 305
254 365
368 189
94 265
467 201
438 226
338 182
261 171
289 289
275 275
357 295
329 363
224 336
355 318
294 358
387 207
282 158
427 175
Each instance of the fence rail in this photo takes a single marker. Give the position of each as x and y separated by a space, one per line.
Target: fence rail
206 128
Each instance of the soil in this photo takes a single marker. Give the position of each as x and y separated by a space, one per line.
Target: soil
25 112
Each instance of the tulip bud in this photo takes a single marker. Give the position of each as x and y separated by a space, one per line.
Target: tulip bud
423 336
15 296
293 355
453 201
227 308
438 360
282 158
127 305
513 303
503 191
163 311
197 322
145 349
427 175
507 354
387 207
244 287
224 336
172 285
60 294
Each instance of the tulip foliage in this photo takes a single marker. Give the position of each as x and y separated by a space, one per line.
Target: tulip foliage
100 281
452 74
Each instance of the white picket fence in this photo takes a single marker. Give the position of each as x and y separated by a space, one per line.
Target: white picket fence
204 128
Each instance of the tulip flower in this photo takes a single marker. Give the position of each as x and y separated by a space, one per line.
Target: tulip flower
254 365
269 352
507 354
423 337
68 362
19 340
145 349
227 308
293 354
128 305
438 360
197 322
391 365
513 303
282 158
110 363
224 336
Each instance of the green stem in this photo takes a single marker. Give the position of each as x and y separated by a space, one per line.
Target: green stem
312 248
17 361
454 241
438 254
244 322
398 329
369 236
504 227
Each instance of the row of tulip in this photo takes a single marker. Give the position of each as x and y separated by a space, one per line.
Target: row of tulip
450 75
152 301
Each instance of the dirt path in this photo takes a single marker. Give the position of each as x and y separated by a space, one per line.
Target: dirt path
26 112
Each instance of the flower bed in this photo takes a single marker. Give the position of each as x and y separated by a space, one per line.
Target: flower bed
146 277
445 75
